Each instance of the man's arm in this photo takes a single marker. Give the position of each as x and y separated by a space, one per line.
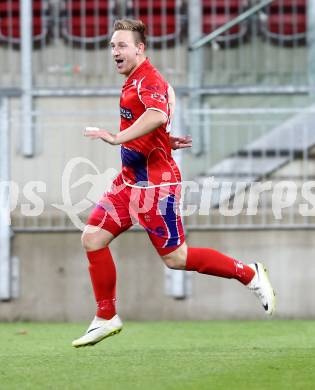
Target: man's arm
147 122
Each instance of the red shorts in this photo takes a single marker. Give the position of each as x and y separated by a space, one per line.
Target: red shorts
156 209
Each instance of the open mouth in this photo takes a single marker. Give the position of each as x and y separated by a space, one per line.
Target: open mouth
119 61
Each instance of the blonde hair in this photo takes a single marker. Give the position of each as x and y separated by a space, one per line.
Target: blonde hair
136 26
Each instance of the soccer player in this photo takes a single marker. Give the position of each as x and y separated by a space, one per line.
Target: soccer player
147 191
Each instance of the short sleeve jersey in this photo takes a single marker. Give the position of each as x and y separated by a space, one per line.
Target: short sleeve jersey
146 161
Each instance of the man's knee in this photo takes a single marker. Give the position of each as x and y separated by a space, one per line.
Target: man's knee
173 262
94 238
91 241
177 258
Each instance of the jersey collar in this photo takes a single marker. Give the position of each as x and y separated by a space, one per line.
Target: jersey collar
141 68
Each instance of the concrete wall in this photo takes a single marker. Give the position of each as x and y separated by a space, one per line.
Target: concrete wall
55 283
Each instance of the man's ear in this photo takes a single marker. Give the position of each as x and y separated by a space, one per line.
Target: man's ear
140 48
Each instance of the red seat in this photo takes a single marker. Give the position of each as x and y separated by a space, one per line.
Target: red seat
11 27
155 4
223 4
285 21
161 26
161 17
7 6
10 30
88 6
92 27
210 24
216 13
288 5
287 24
87 21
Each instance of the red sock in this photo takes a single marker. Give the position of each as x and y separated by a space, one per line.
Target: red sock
210 262
103 276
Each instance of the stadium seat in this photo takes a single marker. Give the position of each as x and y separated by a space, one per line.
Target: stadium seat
162 18
10 31
288 5
87 21
285 21
216 13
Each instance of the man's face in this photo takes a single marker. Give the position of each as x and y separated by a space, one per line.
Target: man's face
125 51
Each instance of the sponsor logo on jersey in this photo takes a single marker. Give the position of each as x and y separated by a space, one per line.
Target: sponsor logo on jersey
159 97
126 113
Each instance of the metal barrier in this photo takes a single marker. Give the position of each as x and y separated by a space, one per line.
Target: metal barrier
56 188
70 57
266 49
257 170
5 250
70 41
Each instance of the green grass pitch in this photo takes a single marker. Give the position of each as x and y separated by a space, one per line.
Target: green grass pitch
161 355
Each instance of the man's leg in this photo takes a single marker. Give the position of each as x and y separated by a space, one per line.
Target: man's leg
102 269
211 262
165 229
208 261
103 276
108 219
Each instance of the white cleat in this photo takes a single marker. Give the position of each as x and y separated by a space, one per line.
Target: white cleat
99 330
261 287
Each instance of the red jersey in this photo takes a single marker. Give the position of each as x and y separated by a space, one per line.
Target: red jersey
146 161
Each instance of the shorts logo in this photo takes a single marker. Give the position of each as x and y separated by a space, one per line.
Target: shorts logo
160 231
126 113
159 97
147 218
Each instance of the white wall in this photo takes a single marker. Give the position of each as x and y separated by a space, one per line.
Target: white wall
55 282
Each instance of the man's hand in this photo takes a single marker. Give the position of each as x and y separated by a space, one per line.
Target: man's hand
105 135
181 142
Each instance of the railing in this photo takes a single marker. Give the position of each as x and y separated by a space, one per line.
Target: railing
257 50
5 250
257 170
56 188
70 42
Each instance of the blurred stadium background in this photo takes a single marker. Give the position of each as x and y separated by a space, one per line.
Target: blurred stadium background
247 98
